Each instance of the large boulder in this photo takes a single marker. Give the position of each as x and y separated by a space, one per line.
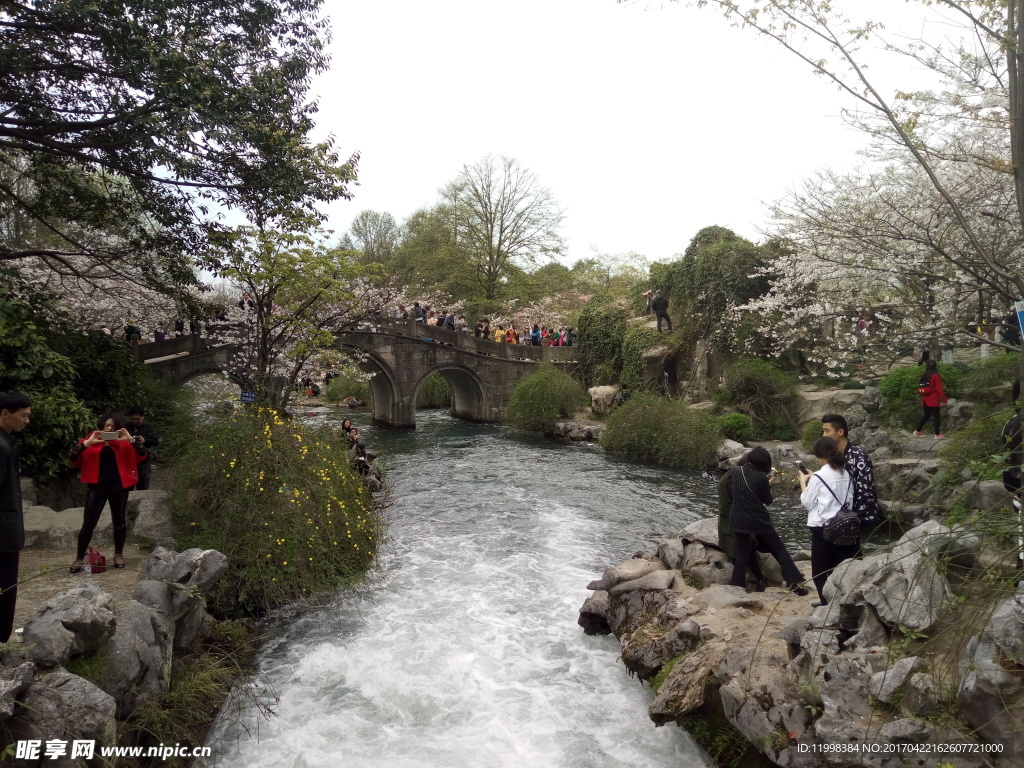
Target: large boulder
811 404
991 689
197 568
594 614
886 684
12 681
989 495
47 529
75 622
60 705
631 569
903 586
602 399
138 656
174 584
154 524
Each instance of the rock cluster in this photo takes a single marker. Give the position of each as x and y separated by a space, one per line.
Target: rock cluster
819 686
133 643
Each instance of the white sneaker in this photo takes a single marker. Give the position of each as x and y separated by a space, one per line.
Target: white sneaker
918 434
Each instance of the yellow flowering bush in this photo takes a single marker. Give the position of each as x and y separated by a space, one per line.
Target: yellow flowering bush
282 501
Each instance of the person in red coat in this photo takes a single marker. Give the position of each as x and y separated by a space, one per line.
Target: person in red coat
933 397
108 461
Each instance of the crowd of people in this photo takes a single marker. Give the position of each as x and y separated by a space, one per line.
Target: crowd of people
361 459
538 335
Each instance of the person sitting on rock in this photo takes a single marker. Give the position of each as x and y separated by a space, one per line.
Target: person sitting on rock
862 473
751 493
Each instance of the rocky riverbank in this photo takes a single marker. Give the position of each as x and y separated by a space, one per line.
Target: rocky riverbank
808 687
96 650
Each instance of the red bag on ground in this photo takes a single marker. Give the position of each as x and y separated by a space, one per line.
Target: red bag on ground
94 559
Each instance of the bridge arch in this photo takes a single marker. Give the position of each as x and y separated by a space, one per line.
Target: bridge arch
469 395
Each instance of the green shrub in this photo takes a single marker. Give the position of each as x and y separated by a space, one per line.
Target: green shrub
738 426
989 373
349 383
900 398
973 447
604 374
762 391
172 412
543 398
638 339
602 327
434 392
810 433
281 501
664 430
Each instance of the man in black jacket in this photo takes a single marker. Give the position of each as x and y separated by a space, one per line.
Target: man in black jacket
15 410
137 426
660 306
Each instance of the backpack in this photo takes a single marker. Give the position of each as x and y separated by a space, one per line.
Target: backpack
843 529
924 385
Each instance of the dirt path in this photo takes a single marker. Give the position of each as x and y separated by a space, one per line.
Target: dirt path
44 573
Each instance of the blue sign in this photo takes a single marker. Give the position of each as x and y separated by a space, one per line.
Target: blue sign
248 397
1019 306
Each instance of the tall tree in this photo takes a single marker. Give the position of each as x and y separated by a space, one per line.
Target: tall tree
502 219
122 131
302 293
375 235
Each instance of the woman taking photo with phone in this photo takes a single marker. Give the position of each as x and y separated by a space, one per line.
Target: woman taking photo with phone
823 495
749 517
108 461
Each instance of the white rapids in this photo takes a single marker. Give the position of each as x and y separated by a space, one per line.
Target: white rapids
468 654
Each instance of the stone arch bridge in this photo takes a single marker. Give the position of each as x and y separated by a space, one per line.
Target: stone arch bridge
401 354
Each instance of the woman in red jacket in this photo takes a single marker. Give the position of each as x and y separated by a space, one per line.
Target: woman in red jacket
108 460
932 397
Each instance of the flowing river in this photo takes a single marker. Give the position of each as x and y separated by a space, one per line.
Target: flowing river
468 654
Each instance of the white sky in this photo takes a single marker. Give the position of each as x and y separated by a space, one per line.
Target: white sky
647 125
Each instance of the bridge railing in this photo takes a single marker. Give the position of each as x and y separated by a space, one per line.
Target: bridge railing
173 346
461 340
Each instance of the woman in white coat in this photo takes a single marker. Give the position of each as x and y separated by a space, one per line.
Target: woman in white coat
823 495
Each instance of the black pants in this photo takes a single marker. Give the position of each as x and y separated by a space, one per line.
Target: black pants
145 471
95 500
825 557
772 542
930 412
9 593
663 315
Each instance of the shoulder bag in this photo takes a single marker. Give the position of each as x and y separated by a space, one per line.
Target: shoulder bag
843 529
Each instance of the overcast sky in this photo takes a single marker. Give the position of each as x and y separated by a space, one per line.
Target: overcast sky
646 124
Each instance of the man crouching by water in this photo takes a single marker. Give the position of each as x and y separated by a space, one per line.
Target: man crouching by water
862 473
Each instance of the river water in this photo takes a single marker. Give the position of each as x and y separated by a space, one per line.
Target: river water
467 653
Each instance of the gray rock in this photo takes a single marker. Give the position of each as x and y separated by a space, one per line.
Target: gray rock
12 681
989 684
811 404
154 523
956 546
856 416
871 633
670 552
29 497
921 696
46 529
594 614
181 603
139 656
60 705
73 623
656 581
884 685
728 453
198 568
903 586
909 730
626 571
704 530
988 495
602 399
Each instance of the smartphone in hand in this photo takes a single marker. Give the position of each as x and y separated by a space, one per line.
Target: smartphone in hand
108 436
801 467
